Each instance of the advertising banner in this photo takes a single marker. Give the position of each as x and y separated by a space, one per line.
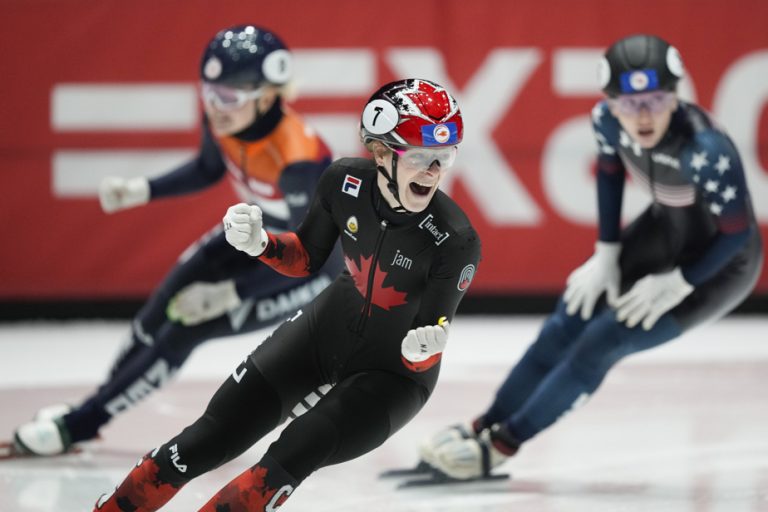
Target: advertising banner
98 88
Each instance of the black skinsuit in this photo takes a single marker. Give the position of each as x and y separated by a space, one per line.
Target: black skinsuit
403 271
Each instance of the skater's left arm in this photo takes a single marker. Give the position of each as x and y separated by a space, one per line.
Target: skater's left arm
448 280
724 189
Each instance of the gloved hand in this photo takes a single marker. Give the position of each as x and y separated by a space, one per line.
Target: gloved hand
474 457
424 342
601 273
117 193
651 297
243 229
200 302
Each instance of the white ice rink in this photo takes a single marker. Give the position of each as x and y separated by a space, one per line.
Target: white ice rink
682 428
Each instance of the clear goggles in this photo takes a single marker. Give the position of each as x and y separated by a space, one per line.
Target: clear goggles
418 159
226 98
654 102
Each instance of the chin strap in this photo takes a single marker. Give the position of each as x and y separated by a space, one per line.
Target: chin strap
392 184
264 121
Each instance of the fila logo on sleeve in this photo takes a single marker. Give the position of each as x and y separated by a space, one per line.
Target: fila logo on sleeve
351 185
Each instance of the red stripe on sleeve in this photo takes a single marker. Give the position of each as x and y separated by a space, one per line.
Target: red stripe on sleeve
286 254
423 365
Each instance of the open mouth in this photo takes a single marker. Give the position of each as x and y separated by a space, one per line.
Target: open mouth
645 132
420 189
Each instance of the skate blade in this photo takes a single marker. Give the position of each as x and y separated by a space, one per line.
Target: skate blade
434 479
8 451
422 468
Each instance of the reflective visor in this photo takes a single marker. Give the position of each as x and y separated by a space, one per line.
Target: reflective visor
654 102
423 158
227 98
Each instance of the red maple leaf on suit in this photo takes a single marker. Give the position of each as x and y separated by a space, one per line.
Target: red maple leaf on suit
384 297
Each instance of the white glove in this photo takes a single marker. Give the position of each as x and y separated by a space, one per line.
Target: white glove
424 342
651 297
200 302
464 459
601 273
243 229
429 447
117 193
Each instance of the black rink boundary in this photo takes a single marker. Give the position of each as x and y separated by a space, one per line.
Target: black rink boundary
91 309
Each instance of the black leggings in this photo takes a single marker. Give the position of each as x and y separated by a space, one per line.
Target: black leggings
356 416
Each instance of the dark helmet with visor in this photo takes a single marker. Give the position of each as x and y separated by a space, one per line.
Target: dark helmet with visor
246 56
640 63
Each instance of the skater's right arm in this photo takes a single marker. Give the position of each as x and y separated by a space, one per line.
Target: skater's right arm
601 273
118 193
295 254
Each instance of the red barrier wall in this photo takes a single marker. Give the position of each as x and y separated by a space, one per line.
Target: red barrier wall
524 74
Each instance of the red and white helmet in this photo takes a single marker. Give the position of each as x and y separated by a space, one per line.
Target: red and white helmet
412 113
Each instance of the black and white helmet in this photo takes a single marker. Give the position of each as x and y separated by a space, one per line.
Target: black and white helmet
640 63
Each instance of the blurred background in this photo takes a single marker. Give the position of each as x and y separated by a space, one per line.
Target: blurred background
99 87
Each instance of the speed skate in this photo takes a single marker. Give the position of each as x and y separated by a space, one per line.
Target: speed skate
10 450
424 475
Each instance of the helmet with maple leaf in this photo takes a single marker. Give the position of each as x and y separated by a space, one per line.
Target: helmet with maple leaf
412 113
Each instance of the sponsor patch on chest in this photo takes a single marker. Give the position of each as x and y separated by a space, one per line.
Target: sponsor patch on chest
428 224
665 159
400 260
351 185
352 227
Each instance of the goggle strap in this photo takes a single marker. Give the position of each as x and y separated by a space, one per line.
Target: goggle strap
392 184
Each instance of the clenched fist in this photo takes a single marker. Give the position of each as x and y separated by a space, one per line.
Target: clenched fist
243 229
117 193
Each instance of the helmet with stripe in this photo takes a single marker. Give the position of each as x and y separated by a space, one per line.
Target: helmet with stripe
640 63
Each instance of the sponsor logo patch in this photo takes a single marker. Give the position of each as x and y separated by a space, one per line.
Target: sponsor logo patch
664 159
352 225
428 225
639 80
439 134
351 185
175 458
400 260
465 278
